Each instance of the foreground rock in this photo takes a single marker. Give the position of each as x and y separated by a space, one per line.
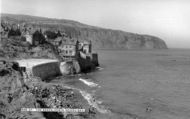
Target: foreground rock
16 94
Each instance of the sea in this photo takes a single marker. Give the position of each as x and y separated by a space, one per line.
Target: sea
137 84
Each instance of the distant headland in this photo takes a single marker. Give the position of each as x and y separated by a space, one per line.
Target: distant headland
101 38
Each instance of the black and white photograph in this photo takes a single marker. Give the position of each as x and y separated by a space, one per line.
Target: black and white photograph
95 59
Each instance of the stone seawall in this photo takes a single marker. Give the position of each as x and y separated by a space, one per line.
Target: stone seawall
47 70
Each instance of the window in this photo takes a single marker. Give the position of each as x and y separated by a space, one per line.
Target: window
66 52
84 51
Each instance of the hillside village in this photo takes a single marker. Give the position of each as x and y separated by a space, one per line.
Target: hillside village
68 49
25 86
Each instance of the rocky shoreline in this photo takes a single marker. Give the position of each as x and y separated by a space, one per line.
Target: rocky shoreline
19 91
17 94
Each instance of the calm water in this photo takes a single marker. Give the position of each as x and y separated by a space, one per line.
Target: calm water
141 84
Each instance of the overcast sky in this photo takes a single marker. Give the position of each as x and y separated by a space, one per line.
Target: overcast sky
167 19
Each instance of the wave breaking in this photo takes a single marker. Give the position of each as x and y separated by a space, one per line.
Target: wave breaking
89 83
93 102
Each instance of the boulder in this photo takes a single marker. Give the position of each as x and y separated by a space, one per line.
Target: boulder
70 67
66 68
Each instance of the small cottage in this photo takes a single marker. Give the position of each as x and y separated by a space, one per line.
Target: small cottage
86 47
57 41
68 48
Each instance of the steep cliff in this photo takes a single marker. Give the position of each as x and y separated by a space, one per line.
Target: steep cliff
104 38
101 38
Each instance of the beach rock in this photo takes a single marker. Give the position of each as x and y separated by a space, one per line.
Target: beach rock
57 96
12 97
10 76
69 67
65 68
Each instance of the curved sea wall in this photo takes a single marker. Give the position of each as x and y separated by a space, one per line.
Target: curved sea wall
51 68
47 70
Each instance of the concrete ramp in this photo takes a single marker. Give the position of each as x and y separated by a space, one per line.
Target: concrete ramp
29 63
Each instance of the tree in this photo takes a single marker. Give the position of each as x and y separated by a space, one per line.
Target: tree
13 32
38 38
50 34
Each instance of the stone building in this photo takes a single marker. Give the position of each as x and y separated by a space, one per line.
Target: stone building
68 48
86 47
56 42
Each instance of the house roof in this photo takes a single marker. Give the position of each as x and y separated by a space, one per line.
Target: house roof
58 39
68 41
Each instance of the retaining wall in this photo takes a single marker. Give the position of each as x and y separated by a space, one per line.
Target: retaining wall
47 70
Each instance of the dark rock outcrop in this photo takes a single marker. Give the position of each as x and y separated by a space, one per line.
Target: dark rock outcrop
101 38
16 94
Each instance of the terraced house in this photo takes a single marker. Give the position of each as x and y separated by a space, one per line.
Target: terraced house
68 48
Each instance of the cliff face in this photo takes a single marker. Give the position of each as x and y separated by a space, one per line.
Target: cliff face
101 38
114 39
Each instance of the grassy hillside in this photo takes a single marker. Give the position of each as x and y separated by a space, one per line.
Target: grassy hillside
101 38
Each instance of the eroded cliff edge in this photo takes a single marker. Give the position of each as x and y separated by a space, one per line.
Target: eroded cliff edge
113 39
101 38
